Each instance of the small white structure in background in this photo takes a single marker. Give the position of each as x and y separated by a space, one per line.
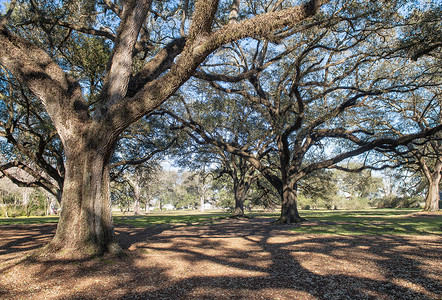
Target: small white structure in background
169 206
208 205
345 194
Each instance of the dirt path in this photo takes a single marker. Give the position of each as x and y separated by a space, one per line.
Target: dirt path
233 259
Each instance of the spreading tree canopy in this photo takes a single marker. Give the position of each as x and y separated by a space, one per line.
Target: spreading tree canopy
155 47
336 89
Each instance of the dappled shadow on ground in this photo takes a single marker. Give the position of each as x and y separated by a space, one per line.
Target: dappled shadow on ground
19 238
16 240
239 259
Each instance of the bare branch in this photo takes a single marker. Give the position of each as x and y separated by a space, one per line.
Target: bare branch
262 25
77 27
37 179
382 143
162 61
5 18
233 16
184 17
35 69
112 6
365 167
203 17
144 159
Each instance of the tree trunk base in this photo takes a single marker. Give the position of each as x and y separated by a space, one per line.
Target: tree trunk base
84 252
431 209
285 220
239 216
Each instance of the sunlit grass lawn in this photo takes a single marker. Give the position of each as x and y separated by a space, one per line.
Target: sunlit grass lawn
340 222
143 220
370 222
179 217
28 220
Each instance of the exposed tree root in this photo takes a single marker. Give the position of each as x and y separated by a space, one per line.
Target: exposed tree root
85 252
285 220
239 216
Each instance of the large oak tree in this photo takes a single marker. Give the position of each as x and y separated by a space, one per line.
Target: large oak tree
89 132
331 96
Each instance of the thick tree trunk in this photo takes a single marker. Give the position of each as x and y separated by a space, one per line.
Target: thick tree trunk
3 205
147 207
239 204
136 186
289 206
240 196
433 197
202 201
85 227
137 196
137 209
203 191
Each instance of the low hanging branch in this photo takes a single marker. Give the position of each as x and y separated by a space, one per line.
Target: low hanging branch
34 178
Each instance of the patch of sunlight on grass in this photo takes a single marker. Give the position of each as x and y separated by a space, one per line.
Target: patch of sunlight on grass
191 218
28 220
339 222
370 222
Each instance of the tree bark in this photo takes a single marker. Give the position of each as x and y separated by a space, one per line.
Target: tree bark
85 227
240 195
202 201
147 207
289 205
433 197
136 186
137 209
3 205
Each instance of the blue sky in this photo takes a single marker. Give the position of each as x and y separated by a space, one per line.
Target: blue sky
3 5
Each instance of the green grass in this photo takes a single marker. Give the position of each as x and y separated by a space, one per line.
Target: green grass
28 220
171 217
370 222
339 222
167 217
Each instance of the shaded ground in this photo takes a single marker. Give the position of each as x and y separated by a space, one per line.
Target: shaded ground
232 259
